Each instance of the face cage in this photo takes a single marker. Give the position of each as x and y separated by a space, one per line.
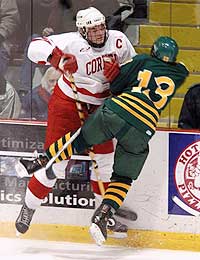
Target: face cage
83 32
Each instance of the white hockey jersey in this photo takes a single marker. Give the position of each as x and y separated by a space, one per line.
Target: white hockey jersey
91 84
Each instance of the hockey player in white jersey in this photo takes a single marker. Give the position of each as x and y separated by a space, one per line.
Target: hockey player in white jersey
82 54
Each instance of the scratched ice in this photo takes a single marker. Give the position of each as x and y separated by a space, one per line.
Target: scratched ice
21 249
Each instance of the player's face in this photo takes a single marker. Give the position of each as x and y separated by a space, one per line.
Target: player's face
97 34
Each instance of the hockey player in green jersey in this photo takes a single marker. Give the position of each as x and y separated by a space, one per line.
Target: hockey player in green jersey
141 89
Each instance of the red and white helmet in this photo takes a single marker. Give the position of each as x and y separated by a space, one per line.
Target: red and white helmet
86 21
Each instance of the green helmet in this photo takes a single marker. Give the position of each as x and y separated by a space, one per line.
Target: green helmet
165 48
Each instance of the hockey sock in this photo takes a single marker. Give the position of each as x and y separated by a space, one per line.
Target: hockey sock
38 188
55 147
115 194
79 145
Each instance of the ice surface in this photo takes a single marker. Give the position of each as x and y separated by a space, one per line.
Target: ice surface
22 249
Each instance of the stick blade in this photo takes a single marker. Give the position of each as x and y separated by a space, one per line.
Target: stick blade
127 214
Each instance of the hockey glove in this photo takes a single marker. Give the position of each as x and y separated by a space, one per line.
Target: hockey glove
64 62
111 69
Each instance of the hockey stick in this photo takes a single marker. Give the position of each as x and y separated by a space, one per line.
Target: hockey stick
127 214
82 118
124 213
72 138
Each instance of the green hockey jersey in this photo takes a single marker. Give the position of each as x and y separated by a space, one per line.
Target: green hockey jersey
143 88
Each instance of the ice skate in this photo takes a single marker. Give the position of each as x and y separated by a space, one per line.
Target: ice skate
98 229
116 229
26 167
24 219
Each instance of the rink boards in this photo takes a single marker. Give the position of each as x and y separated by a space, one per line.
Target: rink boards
166 197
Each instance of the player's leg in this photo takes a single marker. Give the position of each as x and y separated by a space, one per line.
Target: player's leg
130 155
104 156
40 185
41 182
62 118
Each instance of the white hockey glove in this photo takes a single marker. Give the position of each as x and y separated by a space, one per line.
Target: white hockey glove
64 62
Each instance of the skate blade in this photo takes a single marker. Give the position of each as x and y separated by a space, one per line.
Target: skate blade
118 235
17 233
21 170
96 234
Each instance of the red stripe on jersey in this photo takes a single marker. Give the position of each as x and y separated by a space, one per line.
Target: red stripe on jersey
41 39
95 186
38 189
46 40
36 39
59 93
84 91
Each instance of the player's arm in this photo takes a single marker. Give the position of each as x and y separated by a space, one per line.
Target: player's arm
44 51
39 50
63 62
120 82
124 77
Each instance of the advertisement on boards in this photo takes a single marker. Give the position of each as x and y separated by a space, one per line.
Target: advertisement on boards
184 174
72 191
21 137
